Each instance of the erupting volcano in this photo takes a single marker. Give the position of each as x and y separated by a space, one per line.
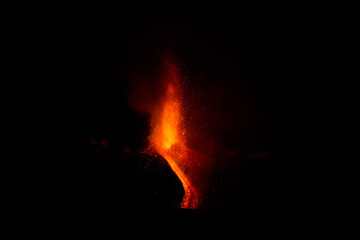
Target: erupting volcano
179 104
168 132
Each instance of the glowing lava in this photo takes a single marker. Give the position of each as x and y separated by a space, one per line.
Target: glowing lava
168 136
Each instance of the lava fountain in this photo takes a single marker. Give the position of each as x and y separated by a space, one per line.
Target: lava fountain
169 133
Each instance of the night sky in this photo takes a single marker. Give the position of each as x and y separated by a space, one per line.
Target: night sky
219 45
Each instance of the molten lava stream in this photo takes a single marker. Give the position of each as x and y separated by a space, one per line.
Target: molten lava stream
190 199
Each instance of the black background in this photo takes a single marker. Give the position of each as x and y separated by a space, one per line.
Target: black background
94 47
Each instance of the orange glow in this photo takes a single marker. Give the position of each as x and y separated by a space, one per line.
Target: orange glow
168 135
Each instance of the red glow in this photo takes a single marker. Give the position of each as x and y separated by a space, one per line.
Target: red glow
168 135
